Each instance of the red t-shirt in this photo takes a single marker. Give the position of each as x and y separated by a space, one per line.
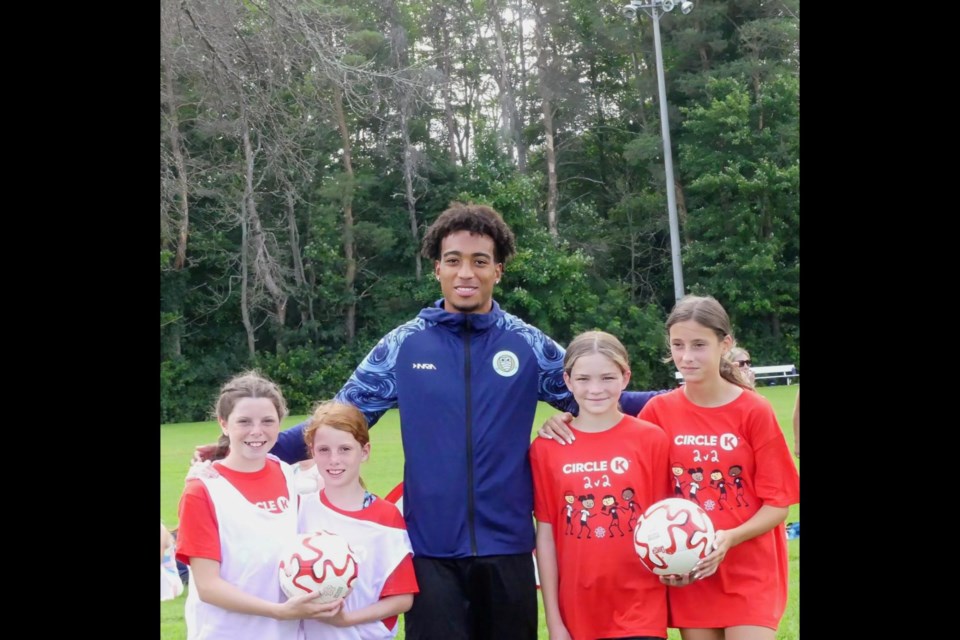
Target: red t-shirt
592 492
199 535
733 460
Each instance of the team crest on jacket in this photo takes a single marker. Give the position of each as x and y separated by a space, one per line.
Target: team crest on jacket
506 363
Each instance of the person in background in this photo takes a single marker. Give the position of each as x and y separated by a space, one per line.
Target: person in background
592 587
741 358
339 441
171 585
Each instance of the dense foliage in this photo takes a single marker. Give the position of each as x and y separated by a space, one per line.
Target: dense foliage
305 147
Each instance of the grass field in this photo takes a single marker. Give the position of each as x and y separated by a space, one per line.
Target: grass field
384 470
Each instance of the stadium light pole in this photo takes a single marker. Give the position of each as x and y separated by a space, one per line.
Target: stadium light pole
655 9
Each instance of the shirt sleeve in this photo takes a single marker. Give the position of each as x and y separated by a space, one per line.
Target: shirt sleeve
661 455
402 580
290 446
776 480
550 386
372 387
199 534
632 402
543 509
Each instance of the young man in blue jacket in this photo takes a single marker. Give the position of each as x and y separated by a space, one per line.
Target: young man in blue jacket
466 377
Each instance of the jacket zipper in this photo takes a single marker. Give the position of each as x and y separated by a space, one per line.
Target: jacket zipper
467 331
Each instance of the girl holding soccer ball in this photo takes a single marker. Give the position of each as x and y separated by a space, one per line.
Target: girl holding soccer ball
739 591
234 521
339 441
592 584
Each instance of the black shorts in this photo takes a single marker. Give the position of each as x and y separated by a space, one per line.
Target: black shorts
480 598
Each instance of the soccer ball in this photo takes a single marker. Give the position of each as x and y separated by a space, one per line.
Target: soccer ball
672 536
319 561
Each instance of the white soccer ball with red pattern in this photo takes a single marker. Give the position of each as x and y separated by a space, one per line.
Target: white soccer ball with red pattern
672 536
319 561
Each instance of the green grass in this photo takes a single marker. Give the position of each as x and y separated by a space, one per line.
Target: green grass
384 470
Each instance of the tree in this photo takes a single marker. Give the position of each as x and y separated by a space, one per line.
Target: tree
744 206
306 146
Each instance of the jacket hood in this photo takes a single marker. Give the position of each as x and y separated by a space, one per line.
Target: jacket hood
478 321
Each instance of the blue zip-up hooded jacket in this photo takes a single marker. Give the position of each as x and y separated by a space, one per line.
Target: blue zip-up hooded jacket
467 387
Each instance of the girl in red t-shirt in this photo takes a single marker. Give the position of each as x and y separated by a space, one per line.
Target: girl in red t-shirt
739 591
592 582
